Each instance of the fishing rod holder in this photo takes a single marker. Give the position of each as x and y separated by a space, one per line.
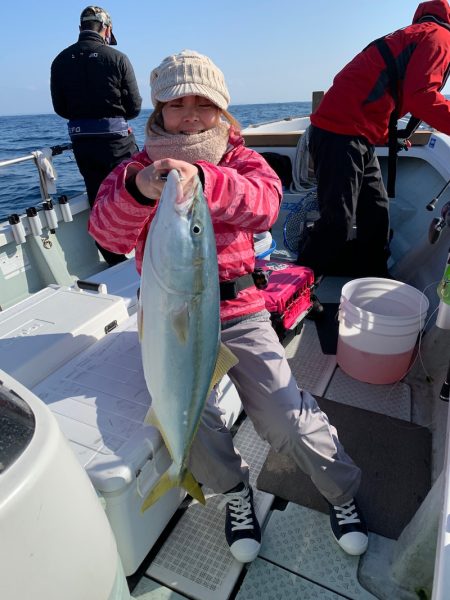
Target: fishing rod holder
17 228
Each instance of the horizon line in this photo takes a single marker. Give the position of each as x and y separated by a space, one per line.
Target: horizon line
47 114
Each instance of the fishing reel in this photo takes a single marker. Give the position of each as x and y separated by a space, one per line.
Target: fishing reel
439 223
403 144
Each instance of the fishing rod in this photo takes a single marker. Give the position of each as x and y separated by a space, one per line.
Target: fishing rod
432 205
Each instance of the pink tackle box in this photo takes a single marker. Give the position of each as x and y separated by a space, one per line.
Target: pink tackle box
288 293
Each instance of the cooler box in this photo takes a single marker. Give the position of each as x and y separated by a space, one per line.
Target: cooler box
122 280
55 539
100 400
288 293
44 331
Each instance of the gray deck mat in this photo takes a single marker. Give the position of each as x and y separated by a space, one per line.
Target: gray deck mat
395 458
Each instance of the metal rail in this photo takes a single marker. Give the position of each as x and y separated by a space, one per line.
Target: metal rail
55 151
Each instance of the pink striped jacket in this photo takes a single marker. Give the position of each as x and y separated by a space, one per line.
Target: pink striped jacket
243 194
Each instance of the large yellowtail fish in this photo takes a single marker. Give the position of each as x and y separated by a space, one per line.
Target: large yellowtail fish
179 326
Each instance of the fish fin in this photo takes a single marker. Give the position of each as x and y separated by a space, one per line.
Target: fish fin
225 361
190 484
169 481
180 323
140 322
151 418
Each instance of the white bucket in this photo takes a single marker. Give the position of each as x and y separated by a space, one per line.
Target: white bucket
379 321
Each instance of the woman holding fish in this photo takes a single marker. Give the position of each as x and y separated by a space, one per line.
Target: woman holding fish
190 131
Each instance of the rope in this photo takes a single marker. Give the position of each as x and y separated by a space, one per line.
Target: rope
302 178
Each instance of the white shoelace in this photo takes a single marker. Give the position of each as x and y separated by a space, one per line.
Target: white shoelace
347 514
240 509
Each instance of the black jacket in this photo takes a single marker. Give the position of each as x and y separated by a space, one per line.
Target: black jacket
91 80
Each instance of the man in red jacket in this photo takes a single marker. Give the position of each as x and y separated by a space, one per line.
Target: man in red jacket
401 73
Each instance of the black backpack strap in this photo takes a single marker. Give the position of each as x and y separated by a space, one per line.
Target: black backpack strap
392 72
230 289
410 128
394 134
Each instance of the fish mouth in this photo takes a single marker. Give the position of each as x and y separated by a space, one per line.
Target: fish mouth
184 205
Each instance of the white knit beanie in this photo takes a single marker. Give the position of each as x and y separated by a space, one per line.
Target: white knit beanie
189 73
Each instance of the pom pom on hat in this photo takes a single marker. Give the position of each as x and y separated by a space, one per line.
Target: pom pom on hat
189 73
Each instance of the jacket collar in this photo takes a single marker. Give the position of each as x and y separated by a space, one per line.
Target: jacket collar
87 36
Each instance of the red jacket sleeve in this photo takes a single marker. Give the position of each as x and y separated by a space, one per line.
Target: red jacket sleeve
243 191
117 219
424 77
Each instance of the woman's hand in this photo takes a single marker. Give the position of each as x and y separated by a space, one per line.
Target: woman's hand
150 184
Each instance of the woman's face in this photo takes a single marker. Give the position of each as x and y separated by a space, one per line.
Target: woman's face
190 114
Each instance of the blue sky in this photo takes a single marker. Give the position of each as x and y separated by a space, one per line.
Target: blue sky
269 50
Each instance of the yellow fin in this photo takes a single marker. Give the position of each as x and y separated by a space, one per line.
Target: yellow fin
151 418
140 322
167 482
225 361
190 484
180 323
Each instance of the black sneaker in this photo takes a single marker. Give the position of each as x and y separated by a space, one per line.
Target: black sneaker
242 529
349 527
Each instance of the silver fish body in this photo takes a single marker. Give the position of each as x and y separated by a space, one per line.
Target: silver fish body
179 323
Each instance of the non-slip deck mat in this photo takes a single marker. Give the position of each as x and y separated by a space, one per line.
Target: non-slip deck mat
265 580
395 458
393 400
327 326
195 559
300 541
311 368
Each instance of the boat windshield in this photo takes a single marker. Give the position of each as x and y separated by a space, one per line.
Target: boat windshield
17 425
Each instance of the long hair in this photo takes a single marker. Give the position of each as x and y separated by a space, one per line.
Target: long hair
157 118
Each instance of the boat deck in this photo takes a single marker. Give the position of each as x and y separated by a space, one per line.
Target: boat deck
299 557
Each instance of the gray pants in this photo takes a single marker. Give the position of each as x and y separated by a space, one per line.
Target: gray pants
288 418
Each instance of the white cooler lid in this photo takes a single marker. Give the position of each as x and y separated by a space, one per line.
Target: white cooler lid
100 400
44 331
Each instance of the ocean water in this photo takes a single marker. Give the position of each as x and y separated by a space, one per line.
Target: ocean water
20 135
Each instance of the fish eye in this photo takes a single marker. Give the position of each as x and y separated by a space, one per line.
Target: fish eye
196 229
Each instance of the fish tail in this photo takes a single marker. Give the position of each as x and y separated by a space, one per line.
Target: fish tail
190 484
168 481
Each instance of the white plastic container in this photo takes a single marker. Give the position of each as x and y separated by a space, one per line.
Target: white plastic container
47 329
443 316
264 245
379 322
100 399
55 540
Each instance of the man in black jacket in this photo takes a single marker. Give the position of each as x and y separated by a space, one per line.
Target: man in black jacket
94 87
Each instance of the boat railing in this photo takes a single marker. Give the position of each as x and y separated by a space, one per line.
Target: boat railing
36 157
55 151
